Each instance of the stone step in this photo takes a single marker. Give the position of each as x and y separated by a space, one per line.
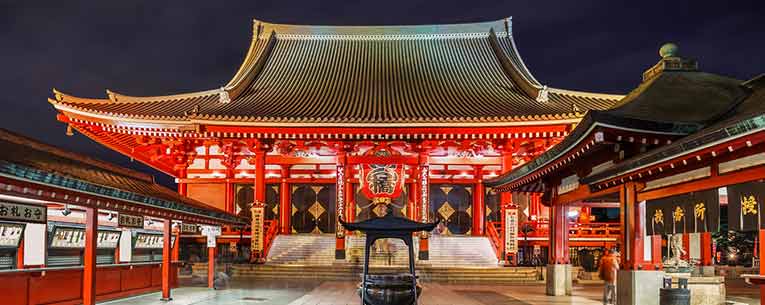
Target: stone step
344 272
319 250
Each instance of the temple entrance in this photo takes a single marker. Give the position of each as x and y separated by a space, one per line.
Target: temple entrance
313 208
452 203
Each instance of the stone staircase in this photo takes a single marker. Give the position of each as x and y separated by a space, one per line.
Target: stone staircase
344 272
452 259
319 250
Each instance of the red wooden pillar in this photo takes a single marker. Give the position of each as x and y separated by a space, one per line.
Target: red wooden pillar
166 256
479 209
182 186
534 202
706 249
210 266
20 254
411 201
350 198
177 246
656 251
260 187
89 260
686 246
285 206
229 199
632 216
260 176
507 165
559 235
762 266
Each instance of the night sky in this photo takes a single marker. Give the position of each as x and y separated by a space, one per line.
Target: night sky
165 47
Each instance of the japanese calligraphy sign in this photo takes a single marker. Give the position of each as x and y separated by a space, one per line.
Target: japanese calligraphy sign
687 213
256 245
745 206
108 239
149 241
68 237
10 234
189 228
212 232
130 221
511 231
23 212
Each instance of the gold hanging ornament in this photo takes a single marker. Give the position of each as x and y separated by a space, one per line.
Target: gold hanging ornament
699 210
678 214
748 205
658 217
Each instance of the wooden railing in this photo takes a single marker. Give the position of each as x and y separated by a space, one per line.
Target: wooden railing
271 228
593 229
493 229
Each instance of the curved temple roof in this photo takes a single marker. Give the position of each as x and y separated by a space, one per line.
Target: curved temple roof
364 76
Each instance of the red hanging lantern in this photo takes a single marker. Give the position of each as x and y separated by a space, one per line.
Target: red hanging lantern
382 180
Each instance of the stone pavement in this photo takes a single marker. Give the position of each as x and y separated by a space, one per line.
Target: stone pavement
343 293
250 292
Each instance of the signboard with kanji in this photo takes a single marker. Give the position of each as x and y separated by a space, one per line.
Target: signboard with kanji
23 212
212 232
10 234
257 228
149 241
130 221
189 228
108 239
511 231
68 237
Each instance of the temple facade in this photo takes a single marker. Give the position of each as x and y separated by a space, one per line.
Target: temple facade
311 107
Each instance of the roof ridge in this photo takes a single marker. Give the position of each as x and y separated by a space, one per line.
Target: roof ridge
431 29
116 97
586 93
71 99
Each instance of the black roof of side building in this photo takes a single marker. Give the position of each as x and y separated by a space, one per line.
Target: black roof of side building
745 118
23 158
674 98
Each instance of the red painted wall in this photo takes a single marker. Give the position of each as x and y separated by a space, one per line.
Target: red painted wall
65 286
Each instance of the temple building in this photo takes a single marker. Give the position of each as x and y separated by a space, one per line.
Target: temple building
313 111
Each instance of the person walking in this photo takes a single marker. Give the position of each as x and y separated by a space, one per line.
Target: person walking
608 268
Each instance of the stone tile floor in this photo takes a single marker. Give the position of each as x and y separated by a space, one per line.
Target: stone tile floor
246 292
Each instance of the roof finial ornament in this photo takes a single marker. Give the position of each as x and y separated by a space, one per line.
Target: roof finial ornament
575 108
542 96
194 111
669 50
223 96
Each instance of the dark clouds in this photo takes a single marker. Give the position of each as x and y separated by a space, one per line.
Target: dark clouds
163 47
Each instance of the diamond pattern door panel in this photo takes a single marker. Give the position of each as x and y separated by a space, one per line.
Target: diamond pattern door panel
492 202
452 203
365 209
313 208
245 196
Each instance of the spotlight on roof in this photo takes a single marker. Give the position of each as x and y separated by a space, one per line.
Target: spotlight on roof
66 211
